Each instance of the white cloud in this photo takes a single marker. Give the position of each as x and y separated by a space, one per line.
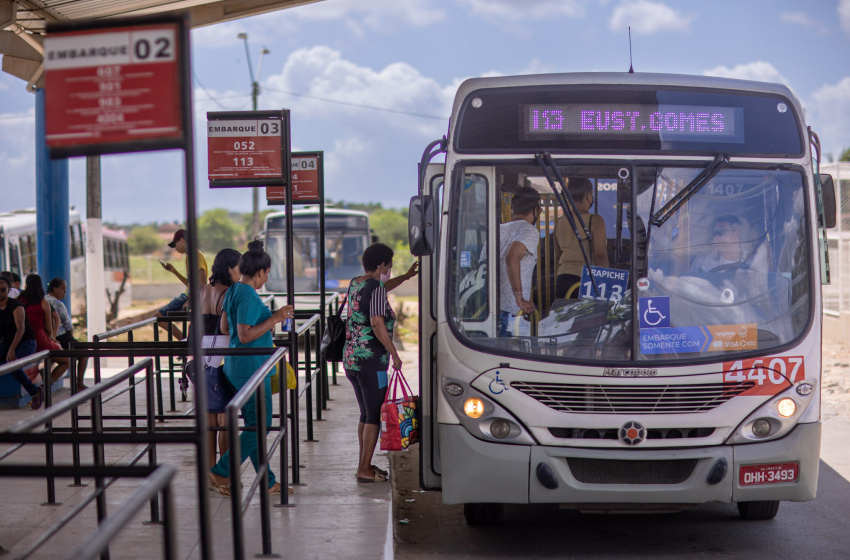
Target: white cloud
647 18
803 19
844 14
17 160
759 71
828 112
528 9
359 16
323 74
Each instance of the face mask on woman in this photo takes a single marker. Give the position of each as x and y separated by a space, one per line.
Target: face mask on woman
386 276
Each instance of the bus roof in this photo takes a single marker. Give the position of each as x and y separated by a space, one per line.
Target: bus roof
624 78
18 221
314 210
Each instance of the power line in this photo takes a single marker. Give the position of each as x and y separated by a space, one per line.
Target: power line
371 107
213 99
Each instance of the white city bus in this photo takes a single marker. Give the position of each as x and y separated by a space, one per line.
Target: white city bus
19 254
347 234
660 383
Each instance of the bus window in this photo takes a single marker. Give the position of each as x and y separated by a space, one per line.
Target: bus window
29 256
469 291
732 260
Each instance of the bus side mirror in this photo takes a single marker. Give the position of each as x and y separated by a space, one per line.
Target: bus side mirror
828 195
421 218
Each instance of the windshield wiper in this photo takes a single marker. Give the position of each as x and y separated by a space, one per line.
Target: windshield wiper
692 188
568 204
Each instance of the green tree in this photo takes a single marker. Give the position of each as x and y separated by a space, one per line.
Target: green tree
216 230
143 241
845 156
390 226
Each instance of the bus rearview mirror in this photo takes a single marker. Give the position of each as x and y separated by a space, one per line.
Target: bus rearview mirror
828 194
421 218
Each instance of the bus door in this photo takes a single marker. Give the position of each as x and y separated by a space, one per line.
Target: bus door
429 463
14 257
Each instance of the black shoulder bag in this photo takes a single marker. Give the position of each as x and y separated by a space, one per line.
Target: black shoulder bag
333 341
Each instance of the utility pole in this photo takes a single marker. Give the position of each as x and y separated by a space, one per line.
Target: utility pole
255 93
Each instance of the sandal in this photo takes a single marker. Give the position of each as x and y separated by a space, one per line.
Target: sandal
380 471
276 489
37 399
221 490
376 478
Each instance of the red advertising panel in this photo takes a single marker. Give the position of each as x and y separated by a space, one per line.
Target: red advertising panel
245 150
307 174
114 89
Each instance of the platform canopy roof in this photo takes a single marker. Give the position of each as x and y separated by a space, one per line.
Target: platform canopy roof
23 22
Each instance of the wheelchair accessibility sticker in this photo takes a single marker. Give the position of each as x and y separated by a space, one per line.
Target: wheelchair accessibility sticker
497 386
654 312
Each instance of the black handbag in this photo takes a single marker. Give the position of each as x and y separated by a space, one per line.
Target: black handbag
333 341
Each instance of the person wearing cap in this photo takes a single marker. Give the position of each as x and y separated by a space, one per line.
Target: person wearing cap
178 243
518 241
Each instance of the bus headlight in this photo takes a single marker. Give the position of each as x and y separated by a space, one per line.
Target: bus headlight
500 428
761 428
474 407
483 417
786 407
776 417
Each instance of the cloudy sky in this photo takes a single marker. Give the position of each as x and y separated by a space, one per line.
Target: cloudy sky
371 82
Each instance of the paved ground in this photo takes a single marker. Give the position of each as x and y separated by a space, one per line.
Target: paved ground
334 516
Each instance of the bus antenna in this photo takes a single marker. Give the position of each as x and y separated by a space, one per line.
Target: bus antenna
631 67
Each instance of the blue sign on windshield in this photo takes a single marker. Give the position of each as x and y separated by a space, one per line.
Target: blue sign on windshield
611 284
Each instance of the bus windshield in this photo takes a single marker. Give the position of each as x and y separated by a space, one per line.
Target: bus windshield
345 239
725 274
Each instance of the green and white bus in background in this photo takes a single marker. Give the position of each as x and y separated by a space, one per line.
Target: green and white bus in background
659 383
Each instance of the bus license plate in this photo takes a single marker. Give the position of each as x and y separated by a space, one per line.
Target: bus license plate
769 474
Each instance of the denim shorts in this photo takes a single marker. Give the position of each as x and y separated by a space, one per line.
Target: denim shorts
175 304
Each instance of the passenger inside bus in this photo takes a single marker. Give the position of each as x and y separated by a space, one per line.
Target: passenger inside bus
568 248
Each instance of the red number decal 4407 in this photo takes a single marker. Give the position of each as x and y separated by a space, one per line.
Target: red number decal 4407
768 375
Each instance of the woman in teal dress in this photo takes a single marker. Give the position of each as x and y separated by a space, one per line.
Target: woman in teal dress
250 323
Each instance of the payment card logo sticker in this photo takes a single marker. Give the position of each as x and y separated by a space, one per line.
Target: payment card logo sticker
733 337
611 284
465 260
654 312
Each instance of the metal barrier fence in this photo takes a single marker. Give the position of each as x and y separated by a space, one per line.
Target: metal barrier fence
100 435
158 481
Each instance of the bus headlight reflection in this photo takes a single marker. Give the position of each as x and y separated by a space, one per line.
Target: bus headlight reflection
474 407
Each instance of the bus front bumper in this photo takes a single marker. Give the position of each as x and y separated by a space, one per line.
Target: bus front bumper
475 471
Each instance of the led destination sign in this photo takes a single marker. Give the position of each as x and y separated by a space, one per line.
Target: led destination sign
669 122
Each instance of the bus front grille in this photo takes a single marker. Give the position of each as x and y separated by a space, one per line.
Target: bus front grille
618 471
611 433
631 399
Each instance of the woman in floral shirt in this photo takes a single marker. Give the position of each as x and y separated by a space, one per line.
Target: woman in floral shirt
369 348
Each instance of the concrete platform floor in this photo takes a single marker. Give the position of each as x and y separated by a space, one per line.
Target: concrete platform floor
333 517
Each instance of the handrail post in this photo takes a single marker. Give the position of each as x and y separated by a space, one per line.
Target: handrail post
235 490
75 422
264 469
284 453
130 361
151 429
95 339
158 366
99 461
294 414
308 395
171 366
47 381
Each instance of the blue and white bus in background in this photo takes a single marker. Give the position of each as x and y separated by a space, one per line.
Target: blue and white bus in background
680 374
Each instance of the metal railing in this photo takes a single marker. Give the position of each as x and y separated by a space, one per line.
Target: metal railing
315 369
158 481
104 475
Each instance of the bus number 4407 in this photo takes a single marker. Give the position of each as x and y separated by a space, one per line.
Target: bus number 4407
765 371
